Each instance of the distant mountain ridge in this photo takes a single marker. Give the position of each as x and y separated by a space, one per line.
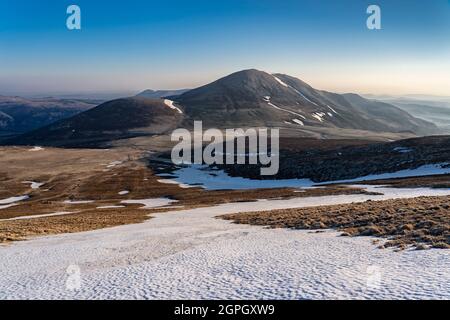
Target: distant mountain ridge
248 98
433 109
18 115
154 94
112 120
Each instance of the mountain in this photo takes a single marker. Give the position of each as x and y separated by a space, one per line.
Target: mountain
155 94
113 120
248 98
18 115
256 98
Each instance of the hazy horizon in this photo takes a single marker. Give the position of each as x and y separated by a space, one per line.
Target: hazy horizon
132 92
158 45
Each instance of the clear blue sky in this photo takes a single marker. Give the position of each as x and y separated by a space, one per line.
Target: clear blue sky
137 44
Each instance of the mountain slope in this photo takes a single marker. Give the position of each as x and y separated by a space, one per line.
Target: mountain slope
247 97
116 119
254 98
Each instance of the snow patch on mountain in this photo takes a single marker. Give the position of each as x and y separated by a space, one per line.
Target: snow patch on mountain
332 109
171 105
319 116
285 110
281 82
304 97
267 99
298 92
403 150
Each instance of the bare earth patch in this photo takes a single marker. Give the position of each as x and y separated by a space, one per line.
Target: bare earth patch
421 222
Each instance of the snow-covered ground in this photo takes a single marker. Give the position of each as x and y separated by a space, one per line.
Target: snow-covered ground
151 203
191 255
218 179
62 213
13 199
200 175
11 202
33 184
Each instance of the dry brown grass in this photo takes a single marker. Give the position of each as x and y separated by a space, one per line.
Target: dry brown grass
83 175
77 222
437 181
404 222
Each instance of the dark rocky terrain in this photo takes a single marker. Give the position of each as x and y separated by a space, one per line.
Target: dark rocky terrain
341 161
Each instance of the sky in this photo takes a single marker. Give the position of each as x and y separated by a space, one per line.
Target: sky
144 44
